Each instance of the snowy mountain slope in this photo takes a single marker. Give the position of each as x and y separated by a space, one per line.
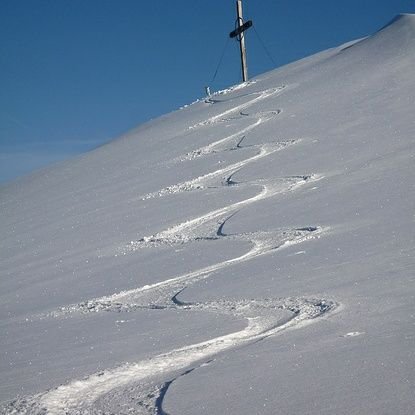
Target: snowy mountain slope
181 266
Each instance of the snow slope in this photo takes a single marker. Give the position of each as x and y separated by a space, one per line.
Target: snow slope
252 253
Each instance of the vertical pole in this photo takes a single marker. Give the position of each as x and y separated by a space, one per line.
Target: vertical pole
242 41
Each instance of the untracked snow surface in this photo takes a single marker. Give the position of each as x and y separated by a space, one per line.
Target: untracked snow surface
252 253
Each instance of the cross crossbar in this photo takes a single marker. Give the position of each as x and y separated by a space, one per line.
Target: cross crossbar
241 29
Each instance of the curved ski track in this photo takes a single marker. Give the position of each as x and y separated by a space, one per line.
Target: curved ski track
140 387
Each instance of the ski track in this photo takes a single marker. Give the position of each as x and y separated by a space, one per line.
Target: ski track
140 387
208 180
221 117
145 382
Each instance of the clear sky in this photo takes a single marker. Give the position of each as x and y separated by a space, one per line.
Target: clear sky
77 73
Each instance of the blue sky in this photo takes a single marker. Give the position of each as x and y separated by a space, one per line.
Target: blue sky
77 73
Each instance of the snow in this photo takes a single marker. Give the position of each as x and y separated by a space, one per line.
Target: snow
251 253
